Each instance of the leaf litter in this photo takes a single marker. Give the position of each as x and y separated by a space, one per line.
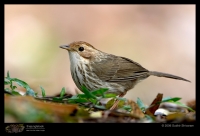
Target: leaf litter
87 108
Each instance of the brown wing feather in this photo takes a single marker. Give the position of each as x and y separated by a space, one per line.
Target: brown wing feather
105 69
116 69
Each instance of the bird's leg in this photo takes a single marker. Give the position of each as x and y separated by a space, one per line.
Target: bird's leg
117 102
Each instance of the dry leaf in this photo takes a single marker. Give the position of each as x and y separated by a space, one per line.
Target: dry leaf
192 104
175 116
135 109
24 103
110 103
154 105
97 114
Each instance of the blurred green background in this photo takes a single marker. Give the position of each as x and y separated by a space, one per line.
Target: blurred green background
159 37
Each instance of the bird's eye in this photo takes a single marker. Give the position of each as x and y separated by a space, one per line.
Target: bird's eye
81 49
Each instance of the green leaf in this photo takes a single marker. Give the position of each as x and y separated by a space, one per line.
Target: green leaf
100 92
8 78
100 107
74 97
6 82
81 100
183 105
30 92
14 87
21 83
141 104
62 93
57 99
127 107
88 93
8 74
110 95
78 100
81 96
15 93
94 101
169 99
71 101
8 90
43 91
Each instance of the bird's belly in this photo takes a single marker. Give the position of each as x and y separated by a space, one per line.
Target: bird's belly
83 76
92 82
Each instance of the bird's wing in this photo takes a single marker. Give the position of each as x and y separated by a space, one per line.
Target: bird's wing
116 69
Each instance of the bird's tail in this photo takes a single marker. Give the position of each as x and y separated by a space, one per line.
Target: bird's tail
160 74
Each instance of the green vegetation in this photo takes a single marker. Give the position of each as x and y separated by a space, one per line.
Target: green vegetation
88 101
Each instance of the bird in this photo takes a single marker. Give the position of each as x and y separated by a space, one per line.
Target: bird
96 69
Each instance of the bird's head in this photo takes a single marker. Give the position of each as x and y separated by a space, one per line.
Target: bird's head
80 49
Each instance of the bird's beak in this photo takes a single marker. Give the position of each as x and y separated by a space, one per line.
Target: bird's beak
67 47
